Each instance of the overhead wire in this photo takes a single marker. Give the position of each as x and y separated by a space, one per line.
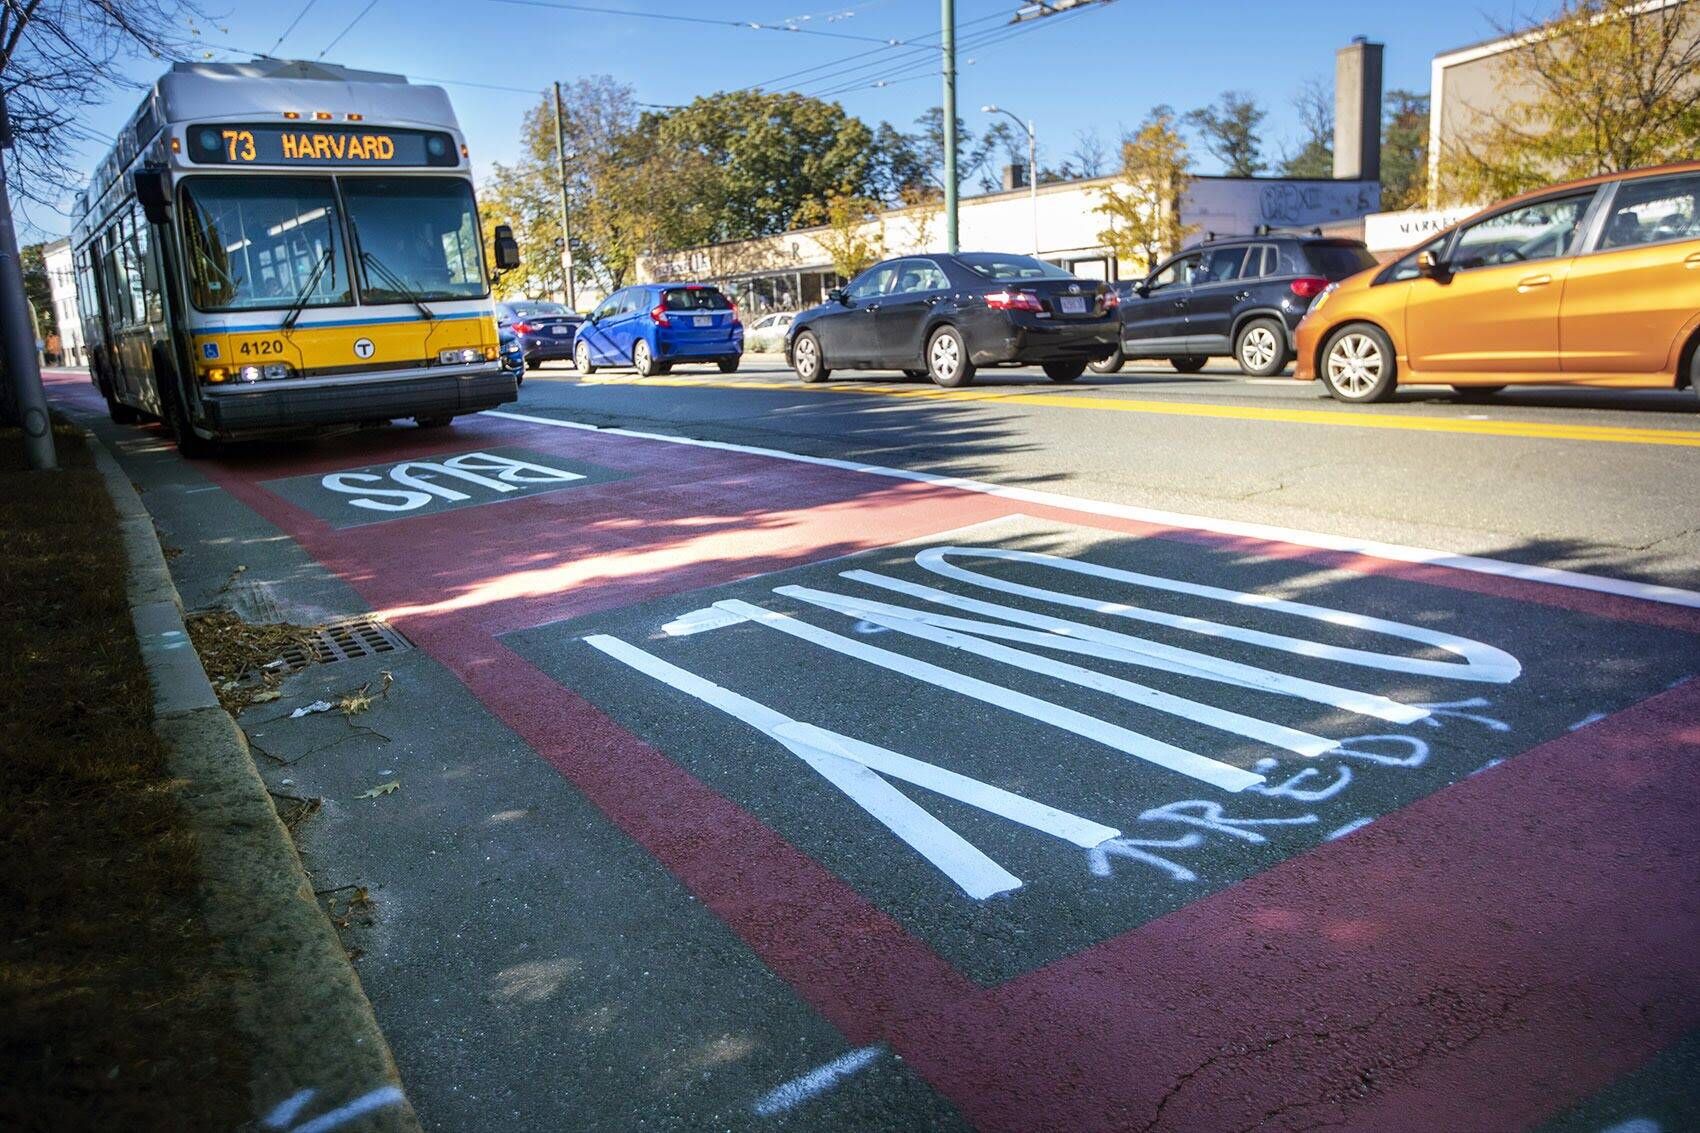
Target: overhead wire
755 25
370 4
305 8
915 47
921 69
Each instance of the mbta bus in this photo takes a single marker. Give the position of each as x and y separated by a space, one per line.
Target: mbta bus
276 246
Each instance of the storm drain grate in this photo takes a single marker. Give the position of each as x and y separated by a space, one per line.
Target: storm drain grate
346 640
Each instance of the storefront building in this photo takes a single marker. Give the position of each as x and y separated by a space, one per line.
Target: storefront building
794 270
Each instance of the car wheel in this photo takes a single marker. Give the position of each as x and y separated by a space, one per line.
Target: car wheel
1189 363
729 365
807 360
434 422
1261 348
581 359
1358 365
1064 371
1472 393
1110 365
642 360
947 359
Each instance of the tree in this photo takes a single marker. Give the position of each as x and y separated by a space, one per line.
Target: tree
897 164
33 260
855 231
1143 204
628 194
1614 85
973 153
767 153
61 58
1404 150
925 206
1229 133
1315 155
1088 157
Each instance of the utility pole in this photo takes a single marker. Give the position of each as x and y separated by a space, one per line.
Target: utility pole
23 365
566 208
948 39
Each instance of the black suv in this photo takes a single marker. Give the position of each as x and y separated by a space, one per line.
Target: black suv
1238 297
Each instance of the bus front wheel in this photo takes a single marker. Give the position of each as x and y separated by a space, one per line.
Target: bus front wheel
190 444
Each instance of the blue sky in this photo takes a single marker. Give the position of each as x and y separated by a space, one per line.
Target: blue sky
1100 69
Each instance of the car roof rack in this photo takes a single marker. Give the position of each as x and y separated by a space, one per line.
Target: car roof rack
1279 230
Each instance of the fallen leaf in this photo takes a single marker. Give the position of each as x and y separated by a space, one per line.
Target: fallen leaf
265 697
389 788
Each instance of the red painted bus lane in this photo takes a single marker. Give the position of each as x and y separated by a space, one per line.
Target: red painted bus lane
1476 959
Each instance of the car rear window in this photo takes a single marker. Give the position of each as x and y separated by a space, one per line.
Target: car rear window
1001 268
694 299
1337 261
532 310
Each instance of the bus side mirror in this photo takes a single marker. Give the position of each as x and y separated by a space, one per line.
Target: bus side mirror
153 192
507 248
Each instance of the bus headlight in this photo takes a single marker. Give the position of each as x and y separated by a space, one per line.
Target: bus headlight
250 373
277 370
459 355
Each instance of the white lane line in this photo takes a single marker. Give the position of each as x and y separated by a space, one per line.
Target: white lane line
1552 576
1073 637
856 768
800 1089
1221 775
918 623
1481 662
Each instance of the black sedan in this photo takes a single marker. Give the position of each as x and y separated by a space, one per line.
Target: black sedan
948 315
545 329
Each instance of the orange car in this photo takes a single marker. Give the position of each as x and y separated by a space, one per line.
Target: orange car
1594 282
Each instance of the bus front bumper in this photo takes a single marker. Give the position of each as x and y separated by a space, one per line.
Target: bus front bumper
236 410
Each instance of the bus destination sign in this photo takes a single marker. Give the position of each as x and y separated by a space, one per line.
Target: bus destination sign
227 143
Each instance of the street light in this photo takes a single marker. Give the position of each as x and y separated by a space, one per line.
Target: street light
1032 166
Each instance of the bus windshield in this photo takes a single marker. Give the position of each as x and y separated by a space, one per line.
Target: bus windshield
415 238
257 243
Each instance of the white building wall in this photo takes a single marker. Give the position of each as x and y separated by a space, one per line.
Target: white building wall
62 286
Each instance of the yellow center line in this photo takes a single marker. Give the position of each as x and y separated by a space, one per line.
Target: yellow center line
1609 434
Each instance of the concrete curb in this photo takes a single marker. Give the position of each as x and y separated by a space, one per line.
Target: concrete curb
309 1024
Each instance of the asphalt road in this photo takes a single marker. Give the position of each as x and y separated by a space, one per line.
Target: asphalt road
1587 479
1149 753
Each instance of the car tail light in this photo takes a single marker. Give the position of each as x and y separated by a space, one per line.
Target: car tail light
1111 299
1014 301
1308 286
733 307
659 314
524 328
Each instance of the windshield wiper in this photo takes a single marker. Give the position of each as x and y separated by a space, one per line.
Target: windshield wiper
397 284
301 296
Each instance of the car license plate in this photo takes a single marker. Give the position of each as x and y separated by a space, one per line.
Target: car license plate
1074 304
702 320
557 330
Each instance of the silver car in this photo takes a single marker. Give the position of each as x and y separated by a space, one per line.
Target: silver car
767 334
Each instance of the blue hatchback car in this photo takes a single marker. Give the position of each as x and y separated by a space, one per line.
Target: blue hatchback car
654 326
